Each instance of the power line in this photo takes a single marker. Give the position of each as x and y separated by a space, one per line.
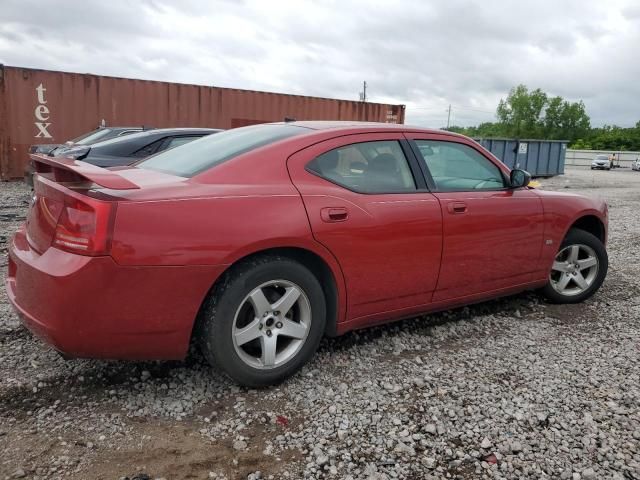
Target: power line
457 107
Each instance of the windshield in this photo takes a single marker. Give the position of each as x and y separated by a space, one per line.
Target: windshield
601 157
201 155
91 137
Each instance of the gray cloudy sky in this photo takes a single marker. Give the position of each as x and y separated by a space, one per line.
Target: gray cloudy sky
426 54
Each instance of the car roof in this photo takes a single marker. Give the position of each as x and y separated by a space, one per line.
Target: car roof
347 125
181 130
156 132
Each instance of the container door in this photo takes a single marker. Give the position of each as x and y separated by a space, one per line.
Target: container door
369 206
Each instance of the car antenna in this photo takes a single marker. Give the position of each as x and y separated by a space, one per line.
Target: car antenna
289 119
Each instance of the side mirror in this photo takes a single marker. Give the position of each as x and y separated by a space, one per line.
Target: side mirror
519 178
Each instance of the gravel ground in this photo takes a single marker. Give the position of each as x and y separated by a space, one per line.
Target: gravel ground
513 388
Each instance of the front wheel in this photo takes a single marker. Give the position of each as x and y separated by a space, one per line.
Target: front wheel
578 269
263 321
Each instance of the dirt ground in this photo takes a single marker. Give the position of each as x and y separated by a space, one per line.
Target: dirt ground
84 419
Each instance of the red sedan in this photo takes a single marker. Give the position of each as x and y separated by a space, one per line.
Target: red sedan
257 241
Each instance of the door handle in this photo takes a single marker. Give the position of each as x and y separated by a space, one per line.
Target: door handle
334 214
457 207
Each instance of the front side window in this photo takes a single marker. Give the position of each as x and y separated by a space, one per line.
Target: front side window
458 167
367 167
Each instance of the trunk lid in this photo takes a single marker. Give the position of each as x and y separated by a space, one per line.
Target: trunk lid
74 203
42 219
65 211
66 170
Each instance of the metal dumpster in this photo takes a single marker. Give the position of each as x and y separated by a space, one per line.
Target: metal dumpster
541 158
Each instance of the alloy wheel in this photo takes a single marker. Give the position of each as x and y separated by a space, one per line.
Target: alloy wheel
271 324
574 270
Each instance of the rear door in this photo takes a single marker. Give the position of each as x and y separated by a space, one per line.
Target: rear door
367 202
492 234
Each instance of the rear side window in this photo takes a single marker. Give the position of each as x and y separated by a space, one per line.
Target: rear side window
368 167
205 153
458 167
177 141
149 149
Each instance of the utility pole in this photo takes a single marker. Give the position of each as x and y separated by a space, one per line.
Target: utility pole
449 116
363 94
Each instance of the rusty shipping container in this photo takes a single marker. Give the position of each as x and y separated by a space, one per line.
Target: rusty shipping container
42 106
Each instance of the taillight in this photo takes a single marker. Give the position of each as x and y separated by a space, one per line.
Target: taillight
84 226
13 268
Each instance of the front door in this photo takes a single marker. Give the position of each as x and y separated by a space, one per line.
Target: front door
492 234
368 204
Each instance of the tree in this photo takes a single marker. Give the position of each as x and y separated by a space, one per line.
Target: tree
581 144
534 114
574 122
484 130
612 137
553 118
521 114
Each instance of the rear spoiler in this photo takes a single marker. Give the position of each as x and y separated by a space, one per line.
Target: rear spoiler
69 170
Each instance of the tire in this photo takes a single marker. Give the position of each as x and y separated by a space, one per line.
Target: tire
233 308
588 247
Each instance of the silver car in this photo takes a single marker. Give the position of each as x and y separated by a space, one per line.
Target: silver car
601 162
635 165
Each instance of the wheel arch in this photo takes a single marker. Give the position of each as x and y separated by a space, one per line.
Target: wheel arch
591 224
324 268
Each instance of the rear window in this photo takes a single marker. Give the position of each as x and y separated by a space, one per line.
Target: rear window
207 152
91 137
125 139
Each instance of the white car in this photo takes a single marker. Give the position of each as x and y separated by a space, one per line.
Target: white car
635 165
601 162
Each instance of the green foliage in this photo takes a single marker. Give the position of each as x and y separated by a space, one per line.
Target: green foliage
615 138
534 114
484 130
582 144
522 114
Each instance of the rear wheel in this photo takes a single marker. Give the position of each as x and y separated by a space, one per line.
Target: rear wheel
578 269
264 321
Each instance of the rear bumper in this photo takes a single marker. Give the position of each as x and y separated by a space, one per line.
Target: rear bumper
91 307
